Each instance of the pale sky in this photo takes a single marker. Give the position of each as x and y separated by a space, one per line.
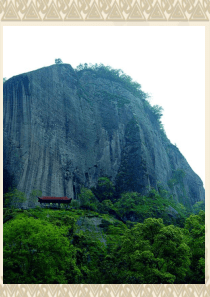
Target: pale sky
168 62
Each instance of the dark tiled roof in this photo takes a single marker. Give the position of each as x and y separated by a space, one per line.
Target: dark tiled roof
54 198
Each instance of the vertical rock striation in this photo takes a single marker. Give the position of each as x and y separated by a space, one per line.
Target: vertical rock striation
62 131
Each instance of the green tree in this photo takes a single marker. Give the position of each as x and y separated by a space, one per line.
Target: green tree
34 196
198 206
124 255
154 253
58 61
106 206
104 189
4 79
137 207
170 247
195 225
150 228
157 111
127 203
37 252
89 255
14 198
135 261
87 199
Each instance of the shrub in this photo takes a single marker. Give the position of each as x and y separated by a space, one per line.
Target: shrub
104 190
58 61
87 199
14 198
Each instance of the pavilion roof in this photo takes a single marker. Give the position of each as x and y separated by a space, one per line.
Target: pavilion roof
54 198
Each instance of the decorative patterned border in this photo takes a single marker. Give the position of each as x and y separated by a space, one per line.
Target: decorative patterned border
142 11
104 290
104 10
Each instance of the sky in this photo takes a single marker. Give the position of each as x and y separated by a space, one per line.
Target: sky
168 62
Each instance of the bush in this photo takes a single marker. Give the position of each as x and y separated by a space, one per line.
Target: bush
14 198
116 75
75 204
58 61
34 197
104 189
87 199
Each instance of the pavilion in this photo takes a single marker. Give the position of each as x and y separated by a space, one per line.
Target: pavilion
47 200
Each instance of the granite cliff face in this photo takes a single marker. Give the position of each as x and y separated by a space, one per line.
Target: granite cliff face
62 131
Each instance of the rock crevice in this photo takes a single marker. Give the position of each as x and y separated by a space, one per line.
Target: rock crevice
63 131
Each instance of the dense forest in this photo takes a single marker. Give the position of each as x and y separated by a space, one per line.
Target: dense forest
105 238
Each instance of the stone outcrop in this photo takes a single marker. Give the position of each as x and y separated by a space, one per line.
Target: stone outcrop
62 131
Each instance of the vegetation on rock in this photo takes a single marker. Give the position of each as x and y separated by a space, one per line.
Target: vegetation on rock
112 233
117 75
105 238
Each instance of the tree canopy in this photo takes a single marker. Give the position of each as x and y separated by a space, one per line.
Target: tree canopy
43 245
58 61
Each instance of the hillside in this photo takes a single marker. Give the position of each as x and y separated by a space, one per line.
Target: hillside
66 128
138 210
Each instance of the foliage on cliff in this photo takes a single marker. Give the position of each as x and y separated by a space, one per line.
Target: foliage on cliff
117 75
91 124
95 242
110 234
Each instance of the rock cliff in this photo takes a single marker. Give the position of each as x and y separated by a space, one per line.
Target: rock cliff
63 130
